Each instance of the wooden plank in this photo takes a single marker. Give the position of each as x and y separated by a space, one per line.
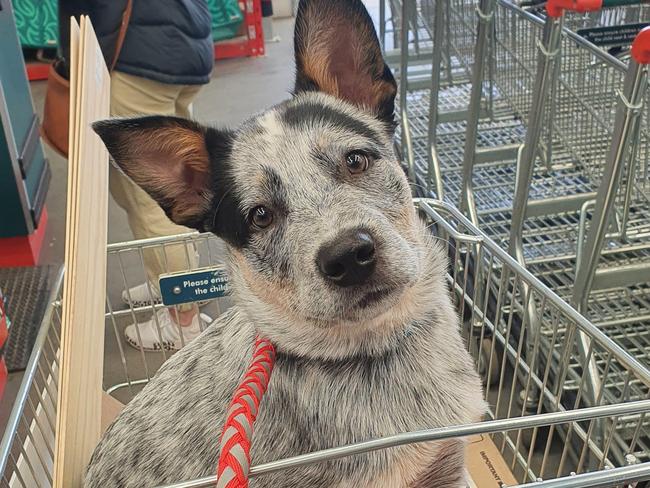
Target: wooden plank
82 328
61 418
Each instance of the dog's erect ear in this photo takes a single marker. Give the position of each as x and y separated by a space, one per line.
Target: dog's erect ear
169 158
337 52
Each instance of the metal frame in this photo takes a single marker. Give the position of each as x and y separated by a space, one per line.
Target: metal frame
433 35
599 441
547 130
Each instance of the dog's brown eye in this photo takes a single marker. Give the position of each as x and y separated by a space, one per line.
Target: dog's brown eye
357 162
261 217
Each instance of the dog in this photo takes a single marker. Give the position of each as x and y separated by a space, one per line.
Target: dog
327 260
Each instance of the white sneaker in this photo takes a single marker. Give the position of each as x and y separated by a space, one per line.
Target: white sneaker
164 333
139 295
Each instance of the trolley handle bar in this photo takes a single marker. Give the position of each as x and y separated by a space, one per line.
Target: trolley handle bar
556 8
641 46
579 6
622 3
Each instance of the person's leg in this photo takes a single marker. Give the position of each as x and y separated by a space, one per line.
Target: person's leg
130 96
184 100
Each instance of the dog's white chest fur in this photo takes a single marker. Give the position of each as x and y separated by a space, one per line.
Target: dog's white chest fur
427 381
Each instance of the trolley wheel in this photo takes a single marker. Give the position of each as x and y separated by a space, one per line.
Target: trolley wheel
493 378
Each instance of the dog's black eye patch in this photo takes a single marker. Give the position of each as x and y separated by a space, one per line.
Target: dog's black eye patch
226 218
306 114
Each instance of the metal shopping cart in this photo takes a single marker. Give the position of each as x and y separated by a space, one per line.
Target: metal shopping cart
582 164
435 103
570 135
560 439
437 38
479 140
610 28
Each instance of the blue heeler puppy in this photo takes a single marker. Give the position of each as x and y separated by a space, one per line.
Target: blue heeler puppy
327 259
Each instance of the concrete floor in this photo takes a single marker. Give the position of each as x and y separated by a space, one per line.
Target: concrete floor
238 88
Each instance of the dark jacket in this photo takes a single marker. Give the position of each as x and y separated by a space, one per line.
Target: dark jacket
169 41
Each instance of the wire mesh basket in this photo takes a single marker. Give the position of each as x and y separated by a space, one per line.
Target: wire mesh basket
548 155
544 417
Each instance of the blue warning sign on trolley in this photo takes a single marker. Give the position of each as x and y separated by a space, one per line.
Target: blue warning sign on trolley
194 286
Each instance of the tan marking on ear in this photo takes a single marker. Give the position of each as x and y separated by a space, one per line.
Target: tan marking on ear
185 145
378 92
185 182
335 57
317 65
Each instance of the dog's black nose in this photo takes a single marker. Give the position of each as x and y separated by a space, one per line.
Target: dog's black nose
349 259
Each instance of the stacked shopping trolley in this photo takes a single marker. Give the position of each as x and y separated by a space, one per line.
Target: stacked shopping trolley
528 146
539 134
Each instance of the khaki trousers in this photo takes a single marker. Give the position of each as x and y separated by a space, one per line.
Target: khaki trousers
130 96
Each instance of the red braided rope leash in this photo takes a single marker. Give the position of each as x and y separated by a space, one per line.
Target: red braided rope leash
235 443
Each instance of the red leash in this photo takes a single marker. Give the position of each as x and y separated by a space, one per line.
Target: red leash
235 443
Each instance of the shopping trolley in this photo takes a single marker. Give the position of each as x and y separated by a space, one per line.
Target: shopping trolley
538 196
435 106
560 439
570 135
610 28
436 55
582 164
493 116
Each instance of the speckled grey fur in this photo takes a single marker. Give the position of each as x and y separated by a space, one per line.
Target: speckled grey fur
423 378
344 372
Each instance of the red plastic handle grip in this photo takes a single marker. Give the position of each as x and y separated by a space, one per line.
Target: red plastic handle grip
555 8
641 47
